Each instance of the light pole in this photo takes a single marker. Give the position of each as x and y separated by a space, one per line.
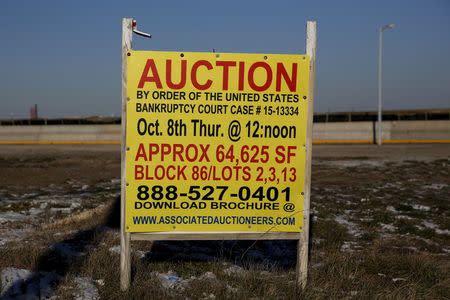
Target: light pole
380 79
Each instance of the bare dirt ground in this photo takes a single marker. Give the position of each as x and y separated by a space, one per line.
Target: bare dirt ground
381 229
23 167
29 167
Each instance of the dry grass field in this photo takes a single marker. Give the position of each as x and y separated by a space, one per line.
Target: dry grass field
380 229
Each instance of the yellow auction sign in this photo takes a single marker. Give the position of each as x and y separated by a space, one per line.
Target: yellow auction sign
215 146
215 142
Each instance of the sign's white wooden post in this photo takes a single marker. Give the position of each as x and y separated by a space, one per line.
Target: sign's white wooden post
303 243
125 268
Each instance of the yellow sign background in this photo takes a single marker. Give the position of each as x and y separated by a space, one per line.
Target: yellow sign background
136 61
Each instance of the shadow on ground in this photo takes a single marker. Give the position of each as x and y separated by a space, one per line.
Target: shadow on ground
280 254
61 258
66 255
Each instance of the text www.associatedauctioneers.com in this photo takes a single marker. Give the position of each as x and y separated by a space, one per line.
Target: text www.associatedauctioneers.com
209 220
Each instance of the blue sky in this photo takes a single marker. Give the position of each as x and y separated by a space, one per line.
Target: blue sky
65 55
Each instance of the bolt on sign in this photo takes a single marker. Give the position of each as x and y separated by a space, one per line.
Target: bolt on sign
215 142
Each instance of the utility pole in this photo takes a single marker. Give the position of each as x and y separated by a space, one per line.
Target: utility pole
380 81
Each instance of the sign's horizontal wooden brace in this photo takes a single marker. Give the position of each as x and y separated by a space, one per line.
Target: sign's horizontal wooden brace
206 236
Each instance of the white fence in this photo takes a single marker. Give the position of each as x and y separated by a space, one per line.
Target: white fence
339 132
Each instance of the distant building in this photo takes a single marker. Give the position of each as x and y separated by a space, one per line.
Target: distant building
34 112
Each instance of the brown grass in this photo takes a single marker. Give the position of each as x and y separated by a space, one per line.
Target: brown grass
409 262
333 274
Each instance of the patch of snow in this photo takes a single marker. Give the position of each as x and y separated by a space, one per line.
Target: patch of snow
140 253
9 235
403 217
172 281
13 278
100 282
388 227
24 284
29 195
75 205
413 249
209 276
65 210
12 216
115 249
317 265
35 211
340 195
431 225
317 241
208 296
351 227
350 247
231 290
234 270
436 186
168 280
346 247
85 289
67 232
421 207
392 209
